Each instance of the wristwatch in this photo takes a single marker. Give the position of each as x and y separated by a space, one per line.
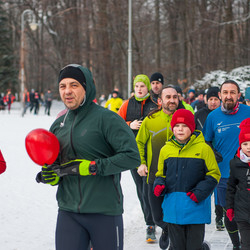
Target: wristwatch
92 168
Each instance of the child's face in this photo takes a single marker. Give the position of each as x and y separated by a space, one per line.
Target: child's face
245 146
181 132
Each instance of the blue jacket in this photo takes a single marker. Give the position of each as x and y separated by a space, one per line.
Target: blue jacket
191 168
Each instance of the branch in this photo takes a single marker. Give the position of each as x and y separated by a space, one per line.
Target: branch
242 20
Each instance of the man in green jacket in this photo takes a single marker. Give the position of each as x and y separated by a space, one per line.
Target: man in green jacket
96 145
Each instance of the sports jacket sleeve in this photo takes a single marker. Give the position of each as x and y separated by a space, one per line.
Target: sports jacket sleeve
141 140
125 152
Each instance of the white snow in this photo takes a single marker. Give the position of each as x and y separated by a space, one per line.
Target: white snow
215 78
28 210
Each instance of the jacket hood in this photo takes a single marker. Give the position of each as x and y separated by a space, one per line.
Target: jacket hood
90 86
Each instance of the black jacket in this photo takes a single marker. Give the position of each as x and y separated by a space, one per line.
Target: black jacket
200 117
238 197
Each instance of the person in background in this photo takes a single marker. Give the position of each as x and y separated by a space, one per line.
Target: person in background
238 186
156 81
247 96
191 96
102 100
181 98
2 163
133 111
187 175
48 101
96 145
200 102
32 100
37 100
213 102
9 99
114 103
221 131
26 101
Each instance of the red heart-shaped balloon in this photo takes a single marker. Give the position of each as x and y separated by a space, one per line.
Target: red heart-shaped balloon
42 146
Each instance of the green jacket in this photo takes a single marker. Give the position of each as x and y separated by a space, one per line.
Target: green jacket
94 133
187 106
153 133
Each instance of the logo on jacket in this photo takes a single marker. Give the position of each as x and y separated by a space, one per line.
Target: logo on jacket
197 154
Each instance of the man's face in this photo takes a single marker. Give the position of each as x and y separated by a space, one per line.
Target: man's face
169 100
201 97
213 103
71 92
229 95
156 87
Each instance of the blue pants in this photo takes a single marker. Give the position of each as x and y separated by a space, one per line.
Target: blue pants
75 231
221 192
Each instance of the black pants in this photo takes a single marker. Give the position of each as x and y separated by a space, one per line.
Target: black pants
47 107
75 231
155 204
186 237
142 193
244 228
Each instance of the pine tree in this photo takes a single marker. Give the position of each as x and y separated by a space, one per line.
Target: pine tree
8 74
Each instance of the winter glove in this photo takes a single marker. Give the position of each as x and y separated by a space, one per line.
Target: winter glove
192 196
158 190
230 214
75 167
47 176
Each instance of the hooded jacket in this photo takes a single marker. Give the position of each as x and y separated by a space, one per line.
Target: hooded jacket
97 134
191 168
238 195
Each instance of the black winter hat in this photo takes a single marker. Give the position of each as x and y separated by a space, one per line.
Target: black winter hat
157 77
213 91
178 89
74 72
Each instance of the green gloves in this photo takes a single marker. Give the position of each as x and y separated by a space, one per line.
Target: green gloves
47 176
76 167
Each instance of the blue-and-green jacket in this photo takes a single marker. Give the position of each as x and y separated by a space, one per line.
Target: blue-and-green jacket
191 168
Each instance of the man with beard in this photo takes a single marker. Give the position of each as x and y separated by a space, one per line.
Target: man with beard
155 130
213 102
221 130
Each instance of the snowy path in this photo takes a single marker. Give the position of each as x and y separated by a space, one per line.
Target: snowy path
28 210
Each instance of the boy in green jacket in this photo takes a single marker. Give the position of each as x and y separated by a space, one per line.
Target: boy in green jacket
187 175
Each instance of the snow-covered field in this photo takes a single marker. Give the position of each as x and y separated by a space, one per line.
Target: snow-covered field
28 210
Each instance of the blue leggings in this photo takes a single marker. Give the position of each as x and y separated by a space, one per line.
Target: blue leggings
75 231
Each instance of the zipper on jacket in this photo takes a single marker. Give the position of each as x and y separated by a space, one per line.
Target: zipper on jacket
79 177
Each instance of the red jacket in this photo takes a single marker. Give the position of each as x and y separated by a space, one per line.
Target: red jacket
2 163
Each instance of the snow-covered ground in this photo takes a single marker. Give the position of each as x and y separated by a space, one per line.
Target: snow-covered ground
28 210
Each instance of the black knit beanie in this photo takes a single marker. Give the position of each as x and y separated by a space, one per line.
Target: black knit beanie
73 72
213 92
157 77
